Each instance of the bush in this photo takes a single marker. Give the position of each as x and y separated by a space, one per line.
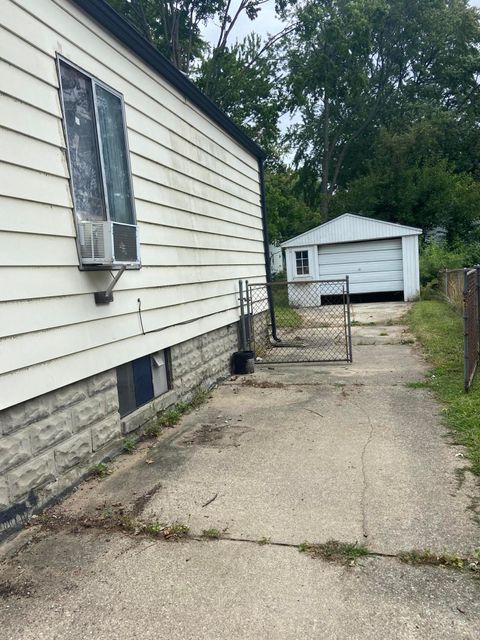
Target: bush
436 256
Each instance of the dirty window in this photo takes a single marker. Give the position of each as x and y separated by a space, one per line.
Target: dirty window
97 148
82 144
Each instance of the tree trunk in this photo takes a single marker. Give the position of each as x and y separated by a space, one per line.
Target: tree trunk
324 191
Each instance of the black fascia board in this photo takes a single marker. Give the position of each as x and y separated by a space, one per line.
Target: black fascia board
113 22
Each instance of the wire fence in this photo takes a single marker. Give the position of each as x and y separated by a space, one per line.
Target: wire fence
461 288
299 321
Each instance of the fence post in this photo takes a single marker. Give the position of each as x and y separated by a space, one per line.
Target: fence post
445 280
466 363
243 334
350 359
477 269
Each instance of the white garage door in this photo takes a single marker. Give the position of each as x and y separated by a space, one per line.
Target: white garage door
373 266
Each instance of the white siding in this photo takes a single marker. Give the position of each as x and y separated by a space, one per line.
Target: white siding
197 200
411 269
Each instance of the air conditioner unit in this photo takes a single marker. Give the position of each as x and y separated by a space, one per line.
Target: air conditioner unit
107 243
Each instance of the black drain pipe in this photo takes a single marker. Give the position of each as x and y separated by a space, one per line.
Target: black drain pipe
266 249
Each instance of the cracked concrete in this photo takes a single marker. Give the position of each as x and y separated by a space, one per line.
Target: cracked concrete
299 453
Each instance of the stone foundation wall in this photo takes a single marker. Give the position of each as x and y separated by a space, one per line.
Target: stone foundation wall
47 444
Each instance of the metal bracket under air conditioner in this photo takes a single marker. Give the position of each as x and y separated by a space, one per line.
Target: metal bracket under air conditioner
105 297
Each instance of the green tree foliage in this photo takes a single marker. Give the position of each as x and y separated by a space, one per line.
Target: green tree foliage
410 182
242 78
358 65
288 214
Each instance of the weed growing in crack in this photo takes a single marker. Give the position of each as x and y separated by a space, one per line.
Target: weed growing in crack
212 534
263 541
176 531
100 470
335 551
427 557
129 445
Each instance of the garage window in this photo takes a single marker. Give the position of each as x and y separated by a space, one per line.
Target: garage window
301 261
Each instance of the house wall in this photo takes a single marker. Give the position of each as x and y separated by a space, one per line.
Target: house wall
49 443
197 198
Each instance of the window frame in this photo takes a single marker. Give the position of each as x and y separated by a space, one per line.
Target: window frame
96 81
303 258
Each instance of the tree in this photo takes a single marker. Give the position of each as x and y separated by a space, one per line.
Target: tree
355 65
288 213
410 182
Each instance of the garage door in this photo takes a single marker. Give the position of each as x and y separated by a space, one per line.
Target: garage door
373 266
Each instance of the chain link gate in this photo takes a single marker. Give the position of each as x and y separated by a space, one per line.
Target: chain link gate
298 321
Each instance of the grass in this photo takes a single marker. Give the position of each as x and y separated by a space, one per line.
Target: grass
439 328
100 470
335 551
286 317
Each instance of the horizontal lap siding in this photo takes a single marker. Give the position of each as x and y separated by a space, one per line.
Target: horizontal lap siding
197 200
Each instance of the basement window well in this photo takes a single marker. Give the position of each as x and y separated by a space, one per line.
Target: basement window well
142 380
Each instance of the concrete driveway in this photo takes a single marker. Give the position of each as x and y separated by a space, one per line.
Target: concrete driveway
291 454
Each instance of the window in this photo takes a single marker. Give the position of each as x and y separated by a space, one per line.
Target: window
301 262
141 380
97 148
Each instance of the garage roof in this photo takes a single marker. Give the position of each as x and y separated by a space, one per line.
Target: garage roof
350 227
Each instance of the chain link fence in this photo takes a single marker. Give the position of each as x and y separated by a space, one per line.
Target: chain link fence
461 288
299 321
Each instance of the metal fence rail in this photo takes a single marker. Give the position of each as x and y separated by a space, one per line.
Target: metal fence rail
299 321
471 290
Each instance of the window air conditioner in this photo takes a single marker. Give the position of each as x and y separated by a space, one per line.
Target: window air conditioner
107 243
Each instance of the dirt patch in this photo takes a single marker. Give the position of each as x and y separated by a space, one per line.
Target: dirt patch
262 384
19 589
142 501
211 435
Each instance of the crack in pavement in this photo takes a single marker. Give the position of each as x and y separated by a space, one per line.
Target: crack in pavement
364 472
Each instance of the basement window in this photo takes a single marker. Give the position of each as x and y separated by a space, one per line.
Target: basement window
301 262
142 380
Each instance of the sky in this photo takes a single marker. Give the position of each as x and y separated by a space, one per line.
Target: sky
264 24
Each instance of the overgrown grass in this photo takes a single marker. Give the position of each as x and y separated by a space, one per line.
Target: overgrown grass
440 330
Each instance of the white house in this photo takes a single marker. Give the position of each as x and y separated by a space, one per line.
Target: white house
276 259
377 256
111 164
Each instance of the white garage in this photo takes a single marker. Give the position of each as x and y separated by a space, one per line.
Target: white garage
377 256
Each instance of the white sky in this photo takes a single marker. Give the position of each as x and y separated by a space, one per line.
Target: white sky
265 23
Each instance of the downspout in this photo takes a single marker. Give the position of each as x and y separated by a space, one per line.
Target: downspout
266 249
